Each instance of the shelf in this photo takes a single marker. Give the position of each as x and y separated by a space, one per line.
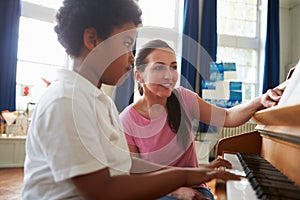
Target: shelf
12 151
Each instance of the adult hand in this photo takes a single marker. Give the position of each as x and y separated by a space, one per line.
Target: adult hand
219 162
271 97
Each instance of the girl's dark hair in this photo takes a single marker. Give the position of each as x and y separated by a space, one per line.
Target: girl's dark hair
103 15
177 117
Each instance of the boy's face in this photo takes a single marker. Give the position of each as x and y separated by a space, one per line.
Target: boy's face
119 55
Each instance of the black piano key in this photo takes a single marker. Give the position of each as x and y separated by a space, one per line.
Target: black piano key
283 189
271 178
273 197
279 185
261 165
267 181
265 172
282 193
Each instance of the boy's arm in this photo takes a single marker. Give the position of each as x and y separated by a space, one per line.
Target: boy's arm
142 166
101 185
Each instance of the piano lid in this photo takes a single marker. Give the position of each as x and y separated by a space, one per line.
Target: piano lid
284 118
283 122
279 116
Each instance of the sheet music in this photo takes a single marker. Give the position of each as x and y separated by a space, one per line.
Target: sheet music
291 94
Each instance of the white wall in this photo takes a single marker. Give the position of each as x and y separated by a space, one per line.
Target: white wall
295 33
289 35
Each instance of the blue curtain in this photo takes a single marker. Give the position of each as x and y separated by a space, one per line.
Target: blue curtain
271 69
208 41
124 93
208 51
9 22
190 50
209 38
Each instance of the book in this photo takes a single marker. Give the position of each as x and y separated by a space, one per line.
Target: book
291 94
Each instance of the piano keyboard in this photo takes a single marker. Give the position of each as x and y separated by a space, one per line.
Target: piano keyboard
263 180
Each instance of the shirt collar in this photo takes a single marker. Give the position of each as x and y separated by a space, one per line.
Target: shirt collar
79 81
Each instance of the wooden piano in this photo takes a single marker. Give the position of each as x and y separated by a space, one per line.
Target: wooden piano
276 140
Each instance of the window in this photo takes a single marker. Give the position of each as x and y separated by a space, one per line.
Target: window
46 3
161 22
239 40
39 52
166 11
237 17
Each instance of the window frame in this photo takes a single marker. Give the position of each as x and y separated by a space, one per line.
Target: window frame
255 43
46 15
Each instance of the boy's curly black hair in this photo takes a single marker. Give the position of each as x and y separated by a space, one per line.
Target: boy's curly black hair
103 15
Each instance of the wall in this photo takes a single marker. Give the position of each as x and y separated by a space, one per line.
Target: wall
289 35
295 33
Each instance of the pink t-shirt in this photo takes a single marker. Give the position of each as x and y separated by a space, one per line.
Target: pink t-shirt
155 139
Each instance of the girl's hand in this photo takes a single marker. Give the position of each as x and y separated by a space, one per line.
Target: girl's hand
219 162
271 97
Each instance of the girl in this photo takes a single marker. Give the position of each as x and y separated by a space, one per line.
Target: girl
158 126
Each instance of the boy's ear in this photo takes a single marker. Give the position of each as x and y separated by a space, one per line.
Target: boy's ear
90 38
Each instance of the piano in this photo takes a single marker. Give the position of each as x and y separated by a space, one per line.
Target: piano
268 158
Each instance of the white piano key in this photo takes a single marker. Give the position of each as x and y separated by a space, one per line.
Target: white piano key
242 189
236 165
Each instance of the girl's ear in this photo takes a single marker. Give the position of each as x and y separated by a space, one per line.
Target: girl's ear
90 38
138 77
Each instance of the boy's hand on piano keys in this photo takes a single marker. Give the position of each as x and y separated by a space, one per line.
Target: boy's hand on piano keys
195 176
271 97
224 175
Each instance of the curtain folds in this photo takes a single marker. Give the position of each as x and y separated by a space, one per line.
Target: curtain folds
271 68
208 52
10 11
209 37
124 93
190 50
197 59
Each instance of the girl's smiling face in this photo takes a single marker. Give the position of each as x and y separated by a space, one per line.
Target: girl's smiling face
160 74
